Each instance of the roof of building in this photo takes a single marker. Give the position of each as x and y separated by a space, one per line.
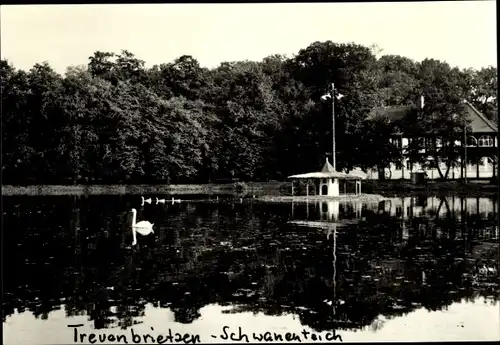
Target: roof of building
394 113
478 121
333 174
328 172
358 172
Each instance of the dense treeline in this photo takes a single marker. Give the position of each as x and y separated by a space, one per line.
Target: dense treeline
116 121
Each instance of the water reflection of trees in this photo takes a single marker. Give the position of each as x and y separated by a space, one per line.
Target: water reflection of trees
75 253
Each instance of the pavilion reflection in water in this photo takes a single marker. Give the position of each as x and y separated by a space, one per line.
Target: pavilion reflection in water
328 210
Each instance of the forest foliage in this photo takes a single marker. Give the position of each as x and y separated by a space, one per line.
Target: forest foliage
117 121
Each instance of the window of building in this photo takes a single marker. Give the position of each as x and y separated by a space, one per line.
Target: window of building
485 141
471 141
429 143
399 166
420 143
396 142
486 161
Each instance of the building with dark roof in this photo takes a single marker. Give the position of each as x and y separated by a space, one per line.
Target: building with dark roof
481 149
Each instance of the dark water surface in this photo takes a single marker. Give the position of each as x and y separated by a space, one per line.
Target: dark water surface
413 268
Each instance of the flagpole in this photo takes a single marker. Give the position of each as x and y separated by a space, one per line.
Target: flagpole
334 163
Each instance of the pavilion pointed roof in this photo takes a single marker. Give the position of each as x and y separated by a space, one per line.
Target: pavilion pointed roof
327 168
328 172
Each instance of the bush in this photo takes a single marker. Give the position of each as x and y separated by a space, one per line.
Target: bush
240 187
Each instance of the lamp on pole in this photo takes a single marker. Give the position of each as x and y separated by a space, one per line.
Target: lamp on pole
331 95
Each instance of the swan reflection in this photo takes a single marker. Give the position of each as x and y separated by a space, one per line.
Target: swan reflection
148 200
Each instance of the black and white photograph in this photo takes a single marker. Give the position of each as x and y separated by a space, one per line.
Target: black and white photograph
181 173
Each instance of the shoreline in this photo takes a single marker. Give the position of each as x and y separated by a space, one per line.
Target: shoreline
275 189
187 189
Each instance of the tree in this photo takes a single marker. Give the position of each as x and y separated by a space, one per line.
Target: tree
16 152
442 118
184 138
353 70
248 118
43 118
397 80
184 77
117 67
376 149
435 134
481 88
100 64
84 108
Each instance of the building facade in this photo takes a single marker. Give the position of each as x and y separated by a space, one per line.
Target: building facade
481 151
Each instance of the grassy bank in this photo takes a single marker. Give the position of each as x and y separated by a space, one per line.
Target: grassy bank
268 188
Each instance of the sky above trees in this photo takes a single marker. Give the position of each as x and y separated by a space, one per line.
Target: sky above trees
461 33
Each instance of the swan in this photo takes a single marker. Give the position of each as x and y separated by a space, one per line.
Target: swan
160 201
175 200
143 227
145 200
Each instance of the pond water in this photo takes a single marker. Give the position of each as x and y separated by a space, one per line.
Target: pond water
407 269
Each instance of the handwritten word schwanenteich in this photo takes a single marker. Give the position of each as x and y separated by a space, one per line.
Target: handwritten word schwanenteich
134 337
305 335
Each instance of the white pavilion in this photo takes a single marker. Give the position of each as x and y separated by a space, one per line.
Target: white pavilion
327 180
